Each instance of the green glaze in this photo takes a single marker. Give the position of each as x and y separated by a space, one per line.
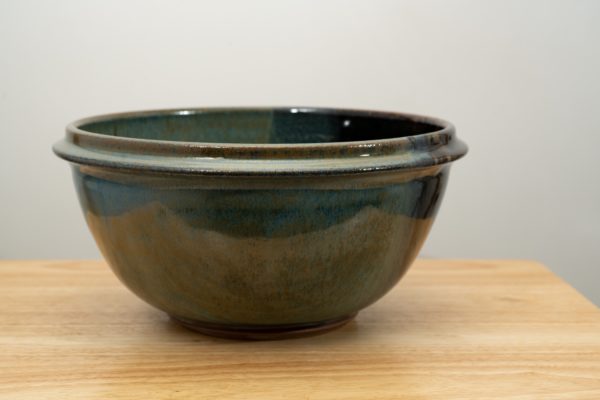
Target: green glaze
259 218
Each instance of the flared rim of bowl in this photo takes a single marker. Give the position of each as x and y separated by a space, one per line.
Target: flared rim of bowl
434 148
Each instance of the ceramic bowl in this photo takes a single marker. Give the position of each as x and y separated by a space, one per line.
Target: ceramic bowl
260 222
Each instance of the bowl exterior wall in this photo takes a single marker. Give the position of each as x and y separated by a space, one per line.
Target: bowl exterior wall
252 253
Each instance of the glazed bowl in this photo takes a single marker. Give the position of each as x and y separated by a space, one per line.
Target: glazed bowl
260 222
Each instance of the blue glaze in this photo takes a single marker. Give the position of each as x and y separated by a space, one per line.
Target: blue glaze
263 213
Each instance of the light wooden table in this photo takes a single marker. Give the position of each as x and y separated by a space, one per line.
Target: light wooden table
449 330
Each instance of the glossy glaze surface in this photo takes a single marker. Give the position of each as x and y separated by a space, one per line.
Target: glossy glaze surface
268 234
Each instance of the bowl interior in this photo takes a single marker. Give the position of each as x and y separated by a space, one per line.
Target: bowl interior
262 126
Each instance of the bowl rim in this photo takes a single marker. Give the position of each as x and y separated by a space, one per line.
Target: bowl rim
422 150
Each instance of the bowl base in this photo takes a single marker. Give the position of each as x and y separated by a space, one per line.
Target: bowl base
275 332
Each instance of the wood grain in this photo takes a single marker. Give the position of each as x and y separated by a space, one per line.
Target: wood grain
449 330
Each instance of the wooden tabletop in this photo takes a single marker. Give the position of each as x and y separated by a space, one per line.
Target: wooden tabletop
449 330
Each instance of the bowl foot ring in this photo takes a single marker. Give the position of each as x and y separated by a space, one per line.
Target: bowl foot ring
276 332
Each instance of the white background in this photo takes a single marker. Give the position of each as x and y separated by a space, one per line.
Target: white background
520 80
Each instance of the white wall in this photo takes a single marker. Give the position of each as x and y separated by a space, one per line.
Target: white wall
520 79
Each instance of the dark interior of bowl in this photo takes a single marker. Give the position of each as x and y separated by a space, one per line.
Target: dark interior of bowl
262 126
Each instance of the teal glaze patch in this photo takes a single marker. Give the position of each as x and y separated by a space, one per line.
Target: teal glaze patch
263 213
